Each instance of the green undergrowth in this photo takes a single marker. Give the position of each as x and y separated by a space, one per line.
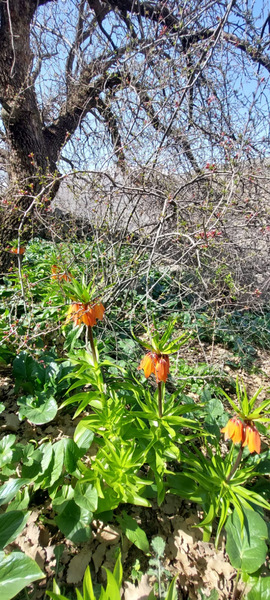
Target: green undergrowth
147 415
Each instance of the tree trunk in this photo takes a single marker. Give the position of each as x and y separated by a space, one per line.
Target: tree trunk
32 150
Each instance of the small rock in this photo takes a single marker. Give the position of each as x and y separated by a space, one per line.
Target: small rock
107 534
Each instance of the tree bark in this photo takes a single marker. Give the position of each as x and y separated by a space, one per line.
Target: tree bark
32 156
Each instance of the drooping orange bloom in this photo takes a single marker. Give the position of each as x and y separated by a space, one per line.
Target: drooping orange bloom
162 368
56 274
99 311
16 251
155 363
148 363
252 438
234 430
246 433
85 313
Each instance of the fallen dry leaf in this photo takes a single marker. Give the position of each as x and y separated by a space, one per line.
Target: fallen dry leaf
98 556
78 565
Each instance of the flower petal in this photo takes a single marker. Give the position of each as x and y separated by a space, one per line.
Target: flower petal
148 364
162 368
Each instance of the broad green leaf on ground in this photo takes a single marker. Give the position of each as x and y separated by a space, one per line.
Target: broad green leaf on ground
74 522
62 495
86 496
16 572
37 409
20 501
83 438
10 489
6 451
55 456
56 465
246 548
11 524
72 454
261 590
134 533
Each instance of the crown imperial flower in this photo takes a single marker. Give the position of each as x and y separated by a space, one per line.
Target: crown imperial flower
234 430
85 313
155 363
17 251
252 438
57 274
246 433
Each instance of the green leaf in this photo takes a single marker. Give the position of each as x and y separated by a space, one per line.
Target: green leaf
88 592
10 489
58 461
83 437
158 546
16 572
20 501
134 533
6 451
86 496
37 409
260 591
74 522
118 571
112 589
215 408
78 594
64 493
72 454
56 596
11 524
172 592
246 547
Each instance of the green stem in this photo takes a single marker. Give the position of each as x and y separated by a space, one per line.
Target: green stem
236 464
235 585
160 408
21 280
91 340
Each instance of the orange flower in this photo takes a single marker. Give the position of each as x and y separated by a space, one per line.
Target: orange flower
157 364
16 251
252 438
162 368
246 433
56 274
85 313
148 363
234 430
99 311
